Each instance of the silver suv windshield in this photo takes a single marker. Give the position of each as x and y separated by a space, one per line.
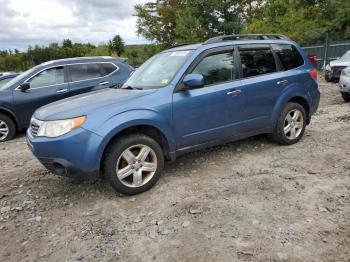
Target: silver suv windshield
346 56
158 71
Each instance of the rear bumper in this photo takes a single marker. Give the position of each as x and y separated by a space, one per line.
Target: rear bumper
72 154
314 97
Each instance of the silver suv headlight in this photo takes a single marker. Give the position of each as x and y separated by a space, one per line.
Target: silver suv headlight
346 71
328 67
59 127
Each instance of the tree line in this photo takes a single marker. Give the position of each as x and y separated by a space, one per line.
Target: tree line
170 22
13 60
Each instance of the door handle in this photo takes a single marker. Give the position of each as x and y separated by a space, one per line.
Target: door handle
62 90
282 82
234 92
104 83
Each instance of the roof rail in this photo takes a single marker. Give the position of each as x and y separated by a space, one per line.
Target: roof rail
245 36
176 45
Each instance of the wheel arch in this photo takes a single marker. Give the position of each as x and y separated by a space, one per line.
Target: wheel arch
11 115
303 102
147 129
297 95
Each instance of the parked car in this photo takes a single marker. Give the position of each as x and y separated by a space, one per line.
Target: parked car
334 68
52 81
344 84
6 77
182 99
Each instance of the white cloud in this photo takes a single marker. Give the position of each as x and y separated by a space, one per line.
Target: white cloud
29 22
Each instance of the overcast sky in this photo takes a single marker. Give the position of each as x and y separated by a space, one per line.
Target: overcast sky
30 22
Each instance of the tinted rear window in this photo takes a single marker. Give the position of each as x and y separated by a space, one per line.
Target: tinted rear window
257 60
85 71
289 56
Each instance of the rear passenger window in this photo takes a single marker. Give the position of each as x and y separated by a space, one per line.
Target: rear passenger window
289 56
257 61
108 68
85 71
216 68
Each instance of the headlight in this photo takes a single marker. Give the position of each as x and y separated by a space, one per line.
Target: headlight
328 67
346 71
60 127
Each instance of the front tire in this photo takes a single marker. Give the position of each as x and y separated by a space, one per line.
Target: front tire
291 125
346 96
7 128
133 164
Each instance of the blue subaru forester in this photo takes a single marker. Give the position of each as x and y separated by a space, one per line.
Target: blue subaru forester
182 99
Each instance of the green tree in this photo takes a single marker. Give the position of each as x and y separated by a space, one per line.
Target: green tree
117 45
305 21
182 21
67 43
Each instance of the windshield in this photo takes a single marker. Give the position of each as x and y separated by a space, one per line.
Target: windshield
18 78
4 81
346 56
158 71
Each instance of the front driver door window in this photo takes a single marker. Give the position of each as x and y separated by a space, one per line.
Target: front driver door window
216 69
49 77
45 87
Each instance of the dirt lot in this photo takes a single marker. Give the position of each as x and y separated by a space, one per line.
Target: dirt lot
250 200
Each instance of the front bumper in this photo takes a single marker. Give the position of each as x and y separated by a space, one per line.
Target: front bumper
72 154
344 84
334 73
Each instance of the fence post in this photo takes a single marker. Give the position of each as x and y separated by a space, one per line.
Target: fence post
325 52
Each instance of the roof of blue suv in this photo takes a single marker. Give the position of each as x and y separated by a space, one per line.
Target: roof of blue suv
228 42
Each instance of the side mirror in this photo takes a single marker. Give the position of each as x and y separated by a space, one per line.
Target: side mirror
24 87
193 81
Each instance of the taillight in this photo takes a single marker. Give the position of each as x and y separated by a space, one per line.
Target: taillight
313 74
313 59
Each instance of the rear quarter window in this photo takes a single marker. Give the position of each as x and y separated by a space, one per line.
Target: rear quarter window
288 55
108 68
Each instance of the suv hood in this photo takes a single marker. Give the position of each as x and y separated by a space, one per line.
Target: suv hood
339 63
86 103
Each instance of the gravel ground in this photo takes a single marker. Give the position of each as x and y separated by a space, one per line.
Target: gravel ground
250 200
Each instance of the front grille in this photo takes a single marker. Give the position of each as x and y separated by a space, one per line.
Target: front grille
337 70
35 126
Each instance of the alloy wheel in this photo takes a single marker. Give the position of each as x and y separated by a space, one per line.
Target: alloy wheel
4 130
136 165
293 124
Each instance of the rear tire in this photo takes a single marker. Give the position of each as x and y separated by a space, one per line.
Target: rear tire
291 125
346 96
7 128
133 163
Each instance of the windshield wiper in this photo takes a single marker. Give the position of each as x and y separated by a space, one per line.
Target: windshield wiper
131 88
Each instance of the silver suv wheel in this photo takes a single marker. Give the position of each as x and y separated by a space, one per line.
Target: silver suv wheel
293 124
4 130
136 166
